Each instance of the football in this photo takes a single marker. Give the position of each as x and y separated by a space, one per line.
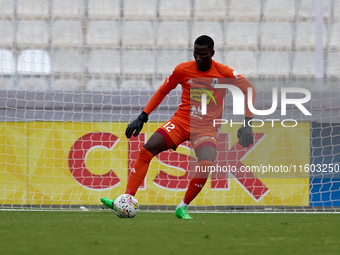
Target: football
126 206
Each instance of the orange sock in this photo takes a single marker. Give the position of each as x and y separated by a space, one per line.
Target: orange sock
197 182
138 172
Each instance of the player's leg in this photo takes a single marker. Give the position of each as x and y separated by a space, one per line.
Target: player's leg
206 154
166 137
154 145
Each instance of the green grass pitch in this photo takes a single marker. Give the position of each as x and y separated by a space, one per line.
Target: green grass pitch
101 232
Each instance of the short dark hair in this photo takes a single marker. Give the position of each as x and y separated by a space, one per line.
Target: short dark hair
205 40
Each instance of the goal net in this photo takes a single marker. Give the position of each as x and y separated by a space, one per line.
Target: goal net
73 74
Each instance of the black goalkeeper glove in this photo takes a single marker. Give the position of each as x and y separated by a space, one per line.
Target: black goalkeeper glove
245 134
136 126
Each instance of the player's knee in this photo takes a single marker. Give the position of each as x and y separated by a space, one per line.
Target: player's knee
206 153
149 147
155 144
207 157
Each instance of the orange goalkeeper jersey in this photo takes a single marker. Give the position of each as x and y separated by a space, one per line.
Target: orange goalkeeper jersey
194 82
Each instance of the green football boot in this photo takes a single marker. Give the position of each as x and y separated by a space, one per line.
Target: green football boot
107 202
182 213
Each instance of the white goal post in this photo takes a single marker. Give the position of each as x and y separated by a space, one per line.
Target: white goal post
74 73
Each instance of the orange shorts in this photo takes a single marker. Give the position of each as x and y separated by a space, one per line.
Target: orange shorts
176 131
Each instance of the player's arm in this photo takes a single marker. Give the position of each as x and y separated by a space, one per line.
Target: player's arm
245 133
169 84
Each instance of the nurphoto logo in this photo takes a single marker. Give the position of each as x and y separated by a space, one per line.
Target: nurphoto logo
239 105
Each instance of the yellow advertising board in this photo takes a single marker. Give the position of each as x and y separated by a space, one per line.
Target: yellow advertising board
65 163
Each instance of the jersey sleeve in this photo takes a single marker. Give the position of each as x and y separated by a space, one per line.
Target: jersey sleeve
169 84
242 83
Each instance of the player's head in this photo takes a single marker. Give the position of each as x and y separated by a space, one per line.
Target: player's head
203 52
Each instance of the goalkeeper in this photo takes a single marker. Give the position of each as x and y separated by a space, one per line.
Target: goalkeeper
177 129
